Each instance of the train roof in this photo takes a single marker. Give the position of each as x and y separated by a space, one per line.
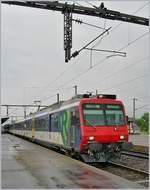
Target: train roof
74 99
58 105
69 103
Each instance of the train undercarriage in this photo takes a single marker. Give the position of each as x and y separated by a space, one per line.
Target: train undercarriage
98 152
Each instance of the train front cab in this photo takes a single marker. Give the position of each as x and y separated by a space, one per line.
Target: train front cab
104 129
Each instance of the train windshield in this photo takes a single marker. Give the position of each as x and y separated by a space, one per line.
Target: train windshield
103 115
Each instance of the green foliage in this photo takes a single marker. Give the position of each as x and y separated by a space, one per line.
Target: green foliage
143 123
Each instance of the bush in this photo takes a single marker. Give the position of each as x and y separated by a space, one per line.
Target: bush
143 123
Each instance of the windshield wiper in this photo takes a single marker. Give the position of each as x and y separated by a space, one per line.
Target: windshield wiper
90 123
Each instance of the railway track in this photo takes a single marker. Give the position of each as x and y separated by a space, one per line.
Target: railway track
136 175
136 154
129 168
132 174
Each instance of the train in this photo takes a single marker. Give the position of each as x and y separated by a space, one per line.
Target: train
92 128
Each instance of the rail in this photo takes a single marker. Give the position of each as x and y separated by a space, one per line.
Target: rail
136 154
129 168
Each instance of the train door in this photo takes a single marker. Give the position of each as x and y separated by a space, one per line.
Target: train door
72 129
75 133
33 128
49 126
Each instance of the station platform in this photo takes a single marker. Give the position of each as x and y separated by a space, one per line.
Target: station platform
28 165
139 139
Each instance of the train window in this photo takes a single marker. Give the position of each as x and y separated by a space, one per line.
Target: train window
95 106
41 123
75 120
94 117
49 122
30 124
113 106
54 122
103 115
115 117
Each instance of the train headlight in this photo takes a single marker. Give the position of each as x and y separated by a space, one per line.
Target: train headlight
91 138
122 137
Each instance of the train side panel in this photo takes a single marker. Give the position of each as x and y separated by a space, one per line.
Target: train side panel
61 129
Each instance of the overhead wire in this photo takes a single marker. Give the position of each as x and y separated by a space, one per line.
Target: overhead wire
126 82
141 107
62 73
54 95
122 69
99 63
93 25
118 25
111 31
48 97
101 37
65 70
133 41
75 2
90 4
102 61
12 112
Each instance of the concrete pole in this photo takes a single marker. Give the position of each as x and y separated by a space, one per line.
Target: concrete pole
7 112
76 90
57 98
134 99
25 113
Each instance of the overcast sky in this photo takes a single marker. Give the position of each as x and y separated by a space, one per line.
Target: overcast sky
33 66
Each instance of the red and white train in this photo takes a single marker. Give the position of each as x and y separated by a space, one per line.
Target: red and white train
92 127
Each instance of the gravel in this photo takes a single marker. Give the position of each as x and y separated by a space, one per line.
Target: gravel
137 163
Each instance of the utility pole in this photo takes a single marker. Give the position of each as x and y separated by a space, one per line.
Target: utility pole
134 109
76 90
25 113
38 103
7 112
58 98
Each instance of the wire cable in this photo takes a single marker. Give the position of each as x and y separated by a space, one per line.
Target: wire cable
122 69
82 22
12 112
62 73
133 41
90 4
141 107
128 81
99 63
54 95
75 2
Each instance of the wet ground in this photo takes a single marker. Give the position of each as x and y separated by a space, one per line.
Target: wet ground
27 165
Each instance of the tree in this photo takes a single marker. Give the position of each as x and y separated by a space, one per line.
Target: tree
143 123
